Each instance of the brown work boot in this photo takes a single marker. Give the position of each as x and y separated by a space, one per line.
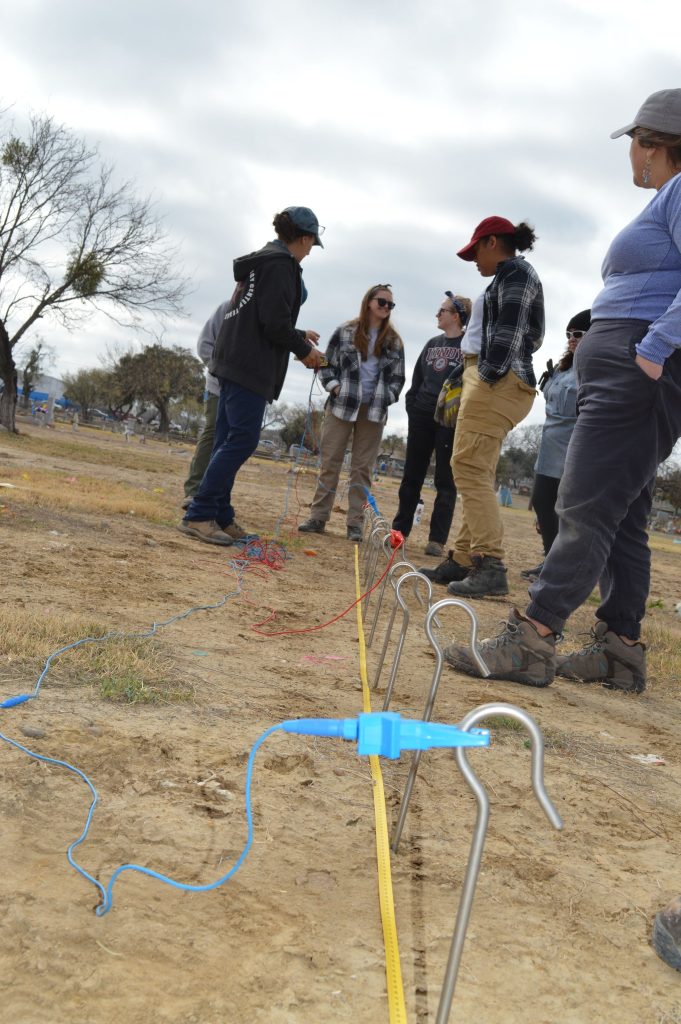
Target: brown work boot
206 530
608 660
518 653
235 531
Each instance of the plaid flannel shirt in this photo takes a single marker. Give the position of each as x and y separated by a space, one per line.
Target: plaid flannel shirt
512 322
343 371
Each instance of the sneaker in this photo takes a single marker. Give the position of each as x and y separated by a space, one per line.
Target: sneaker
608 660
667 934
532 574
206 530
312 526
235 531
487 578
447 571
518 653
435 549
355 534
187 502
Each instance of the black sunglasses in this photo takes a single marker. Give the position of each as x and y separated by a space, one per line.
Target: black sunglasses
577 335
385 302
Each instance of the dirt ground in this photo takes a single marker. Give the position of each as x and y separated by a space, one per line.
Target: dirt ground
561 923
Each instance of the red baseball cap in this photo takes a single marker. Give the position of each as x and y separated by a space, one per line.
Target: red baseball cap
488 226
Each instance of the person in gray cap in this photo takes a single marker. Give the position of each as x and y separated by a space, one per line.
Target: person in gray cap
629 398
252 349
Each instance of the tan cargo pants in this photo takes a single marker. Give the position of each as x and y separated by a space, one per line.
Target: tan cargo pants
488 412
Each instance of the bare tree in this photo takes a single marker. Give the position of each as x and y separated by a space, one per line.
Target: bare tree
71 242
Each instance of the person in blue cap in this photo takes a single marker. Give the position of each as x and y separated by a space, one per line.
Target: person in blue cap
252 349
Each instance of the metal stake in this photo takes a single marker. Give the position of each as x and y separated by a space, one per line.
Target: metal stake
482 820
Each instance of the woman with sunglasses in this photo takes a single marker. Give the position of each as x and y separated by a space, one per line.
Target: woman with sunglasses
364 375
436 362
629 398
559 386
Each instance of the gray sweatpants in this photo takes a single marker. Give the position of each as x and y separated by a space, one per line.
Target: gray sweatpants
627 425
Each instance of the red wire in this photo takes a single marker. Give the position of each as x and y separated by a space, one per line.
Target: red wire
396 540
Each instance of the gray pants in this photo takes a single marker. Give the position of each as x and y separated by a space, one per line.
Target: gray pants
204 447
627 424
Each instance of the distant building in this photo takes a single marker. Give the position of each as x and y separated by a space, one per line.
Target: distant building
44 388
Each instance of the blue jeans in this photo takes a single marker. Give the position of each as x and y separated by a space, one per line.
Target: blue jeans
237 432
627 425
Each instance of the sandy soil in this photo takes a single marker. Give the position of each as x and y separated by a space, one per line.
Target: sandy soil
561 921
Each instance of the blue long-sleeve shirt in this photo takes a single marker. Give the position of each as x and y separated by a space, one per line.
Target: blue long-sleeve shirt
642 274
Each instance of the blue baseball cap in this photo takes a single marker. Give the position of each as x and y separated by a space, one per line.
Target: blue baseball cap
306 220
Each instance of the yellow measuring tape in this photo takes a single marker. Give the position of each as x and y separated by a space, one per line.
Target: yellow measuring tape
393 973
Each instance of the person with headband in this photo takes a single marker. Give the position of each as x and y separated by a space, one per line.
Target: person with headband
364 374
559 387
498 392
629 399
438 358
257 335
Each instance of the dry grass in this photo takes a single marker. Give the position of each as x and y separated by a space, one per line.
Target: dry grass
663 658
153 457
133 670
57 489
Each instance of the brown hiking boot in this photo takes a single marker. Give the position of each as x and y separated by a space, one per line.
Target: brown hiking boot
206 530
434 549
608 660
447 571
487 578
518 653
235 531
667 934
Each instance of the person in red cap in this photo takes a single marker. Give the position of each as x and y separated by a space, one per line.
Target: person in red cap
498 392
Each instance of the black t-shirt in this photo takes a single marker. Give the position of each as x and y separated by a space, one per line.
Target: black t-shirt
437 360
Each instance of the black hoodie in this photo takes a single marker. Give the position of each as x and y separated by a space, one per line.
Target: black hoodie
258 332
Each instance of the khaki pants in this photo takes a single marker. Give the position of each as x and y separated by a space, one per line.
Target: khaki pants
366 440
488 412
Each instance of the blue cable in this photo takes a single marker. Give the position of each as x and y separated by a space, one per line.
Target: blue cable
105 906
114 635
10 702
385 734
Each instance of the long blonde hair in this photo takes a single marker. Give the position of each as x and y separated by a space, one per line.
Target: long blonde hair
387 335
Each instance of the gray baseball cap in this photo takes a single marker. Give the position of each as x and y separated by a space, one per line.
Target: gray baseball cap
306 220
661 112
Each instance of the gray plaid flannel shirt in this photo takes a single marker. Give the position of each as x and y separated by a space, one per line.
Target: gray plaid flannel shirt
343 371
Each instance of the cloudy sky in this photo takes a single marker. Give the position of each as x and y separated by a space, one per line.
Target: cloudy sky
401 124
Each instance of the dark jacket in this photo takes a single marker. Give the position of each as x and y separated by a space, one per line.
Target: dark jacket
259 333
437 360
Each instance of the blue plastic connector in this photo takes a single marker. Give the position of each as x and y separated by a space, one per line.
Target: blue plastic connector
12 702
371 500
386 734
